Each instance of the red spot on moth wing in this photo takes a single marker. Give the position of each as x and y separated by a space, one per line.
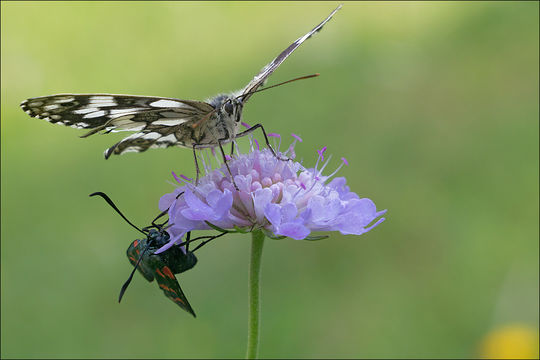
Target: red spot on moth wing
159 273
135 243
168 272
132 259
137 251
176 299
164 287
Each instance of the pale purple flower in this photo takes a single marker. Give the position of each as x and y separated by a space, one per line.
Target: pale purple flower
283 198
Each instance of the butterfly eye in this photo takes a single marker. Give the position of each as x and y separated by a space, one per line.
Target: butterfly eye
229 108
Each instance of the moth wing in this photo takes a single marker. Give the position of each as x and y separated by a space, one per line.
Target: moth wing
261 77
133 253
170 286
111 112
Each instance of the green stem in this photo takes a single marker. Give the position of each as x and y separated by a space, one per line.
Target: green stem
257 241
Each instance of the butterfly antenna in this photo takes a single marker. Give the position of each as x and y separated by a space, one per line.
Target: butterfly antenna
126 284
110 202
282 83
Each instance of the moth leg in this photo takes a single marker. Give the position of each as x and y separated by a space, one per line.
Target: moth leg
259 126
226 163
188 237
232 148
207 241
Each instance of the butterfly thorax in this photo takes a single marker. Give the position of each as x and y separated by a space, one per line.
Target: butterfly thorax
224 122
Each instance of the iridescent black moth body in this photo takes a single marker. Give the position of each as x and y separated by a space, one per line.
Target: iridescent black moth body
159 122
162 267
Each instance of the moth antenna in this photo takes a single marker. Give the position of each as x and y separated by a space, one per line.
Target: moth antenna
126 284
161 214
159 226
110 202
282 83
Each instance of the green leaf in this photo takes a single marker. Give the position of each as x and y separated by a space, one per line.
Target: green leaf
315 238
215 227
241 230
271 235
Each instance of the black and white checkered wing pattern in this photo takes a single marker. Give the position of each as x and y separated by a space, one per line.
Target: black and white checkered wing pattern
261 77
159 122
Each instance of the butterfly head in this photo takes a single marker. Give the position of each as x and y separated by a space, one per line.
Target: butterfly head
229 111
231 107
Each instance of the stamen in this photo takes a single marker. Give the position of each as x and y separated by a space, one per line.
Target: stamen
345 161
205 166
377 223
185 177
324 165
296 137
335 171
276 135
291 151
321 152
246 125
176 178
257 143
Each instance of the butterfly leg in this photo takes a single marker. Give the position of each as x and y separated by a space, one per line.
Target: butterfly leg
226 163
259 126
220 143
196 166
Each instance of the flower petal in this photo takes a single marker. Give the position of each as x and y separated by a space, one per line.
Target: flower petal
293 230
261 198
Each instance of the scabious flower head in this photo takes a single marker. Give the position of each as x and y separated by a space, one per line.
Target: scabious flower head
283 198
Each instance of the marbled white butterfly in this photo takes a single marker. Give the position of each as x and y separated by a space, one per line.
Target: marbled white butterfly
159 122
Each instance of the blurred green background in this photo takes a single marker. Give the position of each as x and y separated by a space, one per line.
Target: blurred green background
435 105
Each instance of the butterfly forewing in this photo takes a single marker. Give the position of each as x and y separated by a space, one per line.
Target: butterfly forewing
261 77
91 111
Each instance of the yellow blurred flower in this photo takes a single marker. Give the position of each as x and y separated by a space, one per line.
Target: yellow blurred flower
514 341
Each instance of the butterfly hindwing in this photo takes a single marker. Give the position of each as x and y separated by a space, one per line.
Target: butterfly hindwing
159 121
